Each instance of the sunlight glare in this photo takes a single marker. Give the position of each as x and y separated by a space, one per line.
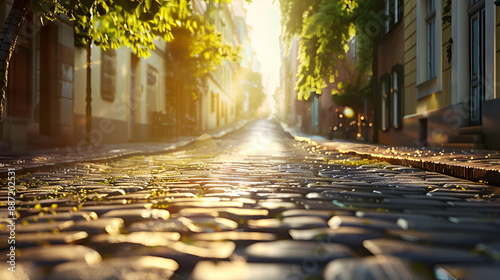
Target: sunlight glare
264 19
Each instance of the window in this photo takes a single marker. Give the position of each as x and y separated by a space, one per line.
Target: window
391 99
152 89
393 12
384 102
477 60
430 20
429 47
397 102
108 75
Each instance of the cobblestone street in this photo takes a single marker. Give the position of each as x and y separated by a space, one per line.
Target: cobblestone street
255 204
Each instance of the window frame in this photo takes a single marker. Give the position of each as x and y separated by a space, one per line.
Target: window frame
393 10
430 26
429 82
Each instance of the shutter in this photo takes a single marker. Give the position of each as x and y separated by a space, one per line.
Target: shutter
19 86
387 101
397 97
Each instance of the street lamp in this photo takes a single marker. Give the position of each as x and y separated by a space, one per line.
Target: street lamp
348 112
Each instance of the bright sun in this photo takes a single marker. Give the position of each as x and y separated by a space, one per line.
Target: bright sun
264 19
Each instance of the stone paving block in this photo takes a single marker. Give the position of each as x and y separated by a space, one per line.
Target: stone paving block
476 205
375 267
299 222
444 238
467 271
234 214
170 225
22 271
419 202
350 236
447 212
41 227
398 191
492 249
358 196
238 237
110 191
351 221
74 216
186 255
443 198
208 224
281 205
325 214
50 202
101 209
292 251
126 268
44 238
380 206
394 216
106 242
433 225
174 207
57 254
238 270
134 215
111 226
480 219
421 253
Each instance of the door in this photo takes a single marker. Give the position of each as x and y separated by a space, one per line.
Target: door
19 87
476 21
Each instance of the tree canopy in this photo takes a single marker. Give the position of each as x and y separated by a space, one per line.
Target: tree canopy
253 85
324 28
114 23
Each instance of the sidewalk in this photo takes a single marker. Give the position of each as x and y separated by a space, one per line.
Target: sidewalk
471 164
48 159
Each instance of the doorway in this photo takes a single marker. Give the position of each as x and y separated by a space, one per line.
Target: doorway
477 42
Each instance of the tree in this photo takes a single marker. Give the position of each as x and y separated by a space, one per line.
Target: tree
196 50
106 23
253 85
324 28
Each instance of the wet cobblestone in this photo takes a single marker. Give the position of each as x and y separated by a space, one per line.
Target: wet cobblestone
255 204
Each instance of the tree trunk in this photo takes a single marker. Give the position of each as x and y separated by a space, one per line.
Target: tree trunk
88 98
8 39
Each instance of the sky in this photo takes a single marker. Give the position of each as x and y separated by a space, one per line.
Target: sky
264 18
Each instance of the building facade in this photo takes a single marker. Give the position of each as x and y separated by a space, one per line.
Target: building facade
450 71
40 99
46 103
219 104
